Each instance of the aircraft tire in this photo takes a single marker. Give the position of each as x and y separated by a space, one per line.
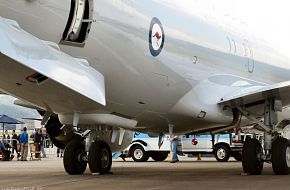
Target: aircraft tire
72 162
100 157
139 154
281 156
222 153
159 156
251 164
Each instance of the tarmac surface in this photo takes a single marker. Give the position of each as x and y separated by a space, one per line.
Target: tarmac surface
186 174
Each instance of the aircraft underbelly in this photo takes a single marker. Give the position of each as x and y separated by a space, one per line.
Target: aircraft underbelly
138 85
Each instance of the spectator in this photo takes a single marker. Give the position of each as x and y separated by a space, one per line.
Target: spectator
2 147
59 152
5 152
47 141
6 138
24 144
14 142
18 138
32 136
37 140
2 150
42 144
173 147
20 135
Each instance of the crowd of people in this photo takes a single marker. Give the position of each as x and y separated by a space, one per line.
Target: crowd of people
8 145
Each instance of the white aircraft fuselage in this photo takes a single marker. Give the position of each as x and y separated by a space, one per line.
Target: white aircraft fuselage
162 64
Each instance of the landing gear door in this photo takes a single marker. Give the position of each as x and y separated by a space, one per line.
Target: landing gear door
76 24
79 23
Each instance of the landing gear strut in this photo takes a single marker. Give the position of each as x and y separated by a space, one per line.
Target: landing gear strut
275 150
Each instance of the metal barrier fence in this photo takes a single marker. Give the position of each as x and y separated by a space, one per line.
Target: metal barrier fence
48 146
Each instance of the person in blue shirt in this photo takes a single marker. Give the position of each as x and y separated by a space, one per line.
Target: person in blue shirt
2 147
24 144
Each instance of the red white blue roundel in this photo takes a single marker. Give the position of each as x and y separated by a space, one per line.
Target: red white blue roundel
156 37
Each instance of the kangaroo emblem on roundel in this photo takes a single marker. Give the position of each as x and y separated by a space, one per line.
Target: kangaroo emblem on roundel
156 37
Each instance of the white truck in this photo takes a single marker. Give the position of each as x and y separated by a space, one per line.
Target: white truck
143 147
223 146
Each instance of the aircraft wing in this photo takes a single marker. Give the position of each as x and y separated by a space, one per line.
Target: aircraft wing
43 75
252 96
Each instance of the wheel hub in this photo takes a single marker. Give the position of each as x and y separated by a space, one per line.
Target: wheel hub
221 153
138 153
105 158
79 157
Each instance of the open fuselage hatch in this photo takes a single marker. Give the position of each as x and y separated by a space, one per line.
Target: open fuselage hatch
79 23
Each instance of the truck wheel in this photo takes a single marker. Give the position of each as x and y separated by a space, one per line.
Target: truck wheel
159 156
222 153
237 156
139 154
